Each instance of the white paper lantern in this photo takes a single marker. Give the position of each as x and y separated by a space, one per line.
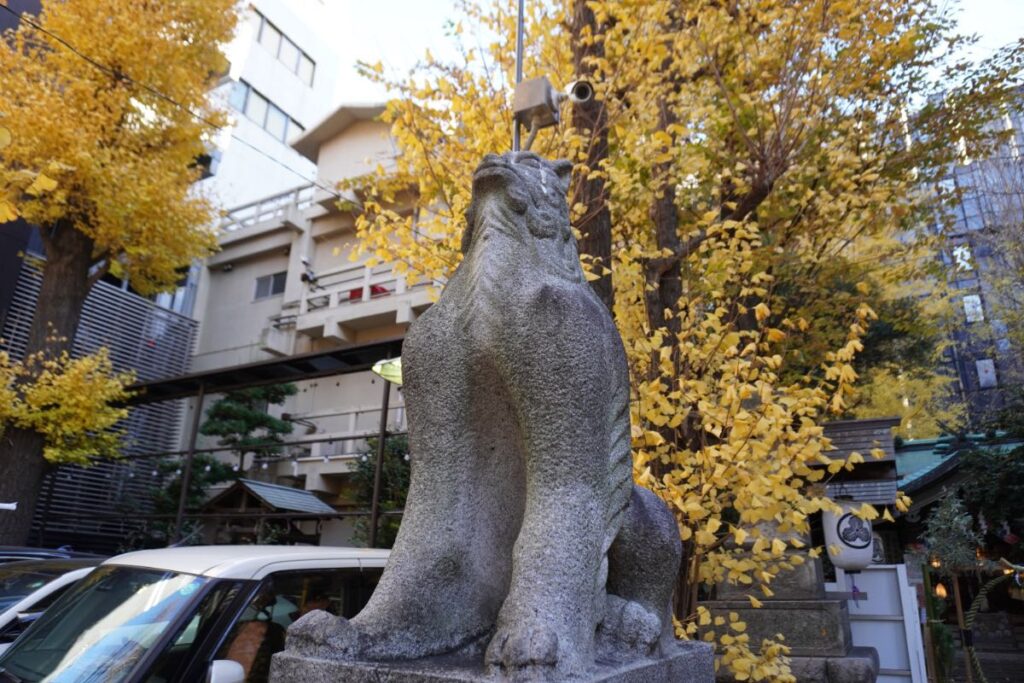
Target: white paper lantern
850 534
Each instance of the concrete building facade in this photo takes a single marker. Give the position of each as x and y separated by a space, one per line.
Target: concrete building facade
283 284
982 353
281 81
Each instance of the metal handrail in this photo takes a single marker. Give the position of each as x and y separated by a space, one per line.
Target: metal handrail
354 283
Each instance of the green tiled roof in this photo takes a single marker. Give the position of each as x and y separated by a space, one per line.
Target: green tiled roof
920 461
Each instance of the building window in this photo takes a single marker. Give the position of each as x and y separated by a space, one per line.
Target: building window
986 373
256 107
289 55
270 37
263 112
277 123
270 285
239 92
286 51
973 309
306 68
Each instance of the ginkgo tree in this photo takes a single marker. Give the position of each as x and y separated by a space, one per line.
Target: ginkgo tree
764 170
104 115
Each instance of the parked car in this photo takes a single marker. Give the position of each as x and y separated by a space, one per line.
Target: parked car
15 553
28 587
178 615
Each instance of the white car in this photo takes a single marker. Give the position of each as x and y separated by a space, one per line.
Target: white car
179 615
28 587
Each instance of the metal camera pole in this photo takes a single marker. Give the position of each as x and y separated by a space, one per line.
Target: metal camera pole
535 103
519 72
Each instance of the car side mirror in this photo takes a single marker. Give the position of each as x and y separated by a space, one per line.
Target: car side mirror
225 671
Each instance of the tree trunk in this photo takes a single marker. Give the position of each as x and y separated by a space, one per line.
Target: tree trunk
596 224
64 289
58 311
22 468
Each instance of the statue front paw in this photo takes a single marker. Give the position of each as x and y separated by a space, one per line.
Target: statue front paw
523 652
628 630
323 636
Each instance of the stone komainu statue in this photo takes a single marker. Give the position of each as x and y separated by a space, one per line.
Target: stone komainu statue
523 530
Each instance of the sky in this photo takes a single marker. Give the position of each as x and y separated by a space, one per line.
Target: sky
398 32
395 32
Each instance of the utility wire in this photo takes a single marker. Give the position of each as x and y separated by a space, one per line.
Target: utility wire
121 76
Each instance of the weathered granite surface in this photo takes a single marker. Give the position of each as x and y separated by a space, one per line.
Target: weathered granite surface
819 628
860 665
523 528
686 662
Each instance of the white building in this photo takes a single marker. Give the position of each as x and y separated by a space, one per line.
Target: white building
256 303
281 81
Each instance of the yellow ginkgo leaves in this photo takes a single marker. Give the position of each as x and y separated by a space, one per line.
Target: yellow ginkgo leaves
72 402
114 159
41 185
757 234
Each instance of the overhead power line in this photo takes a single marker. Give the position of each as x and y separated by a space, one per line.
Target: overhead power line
121 76
156 92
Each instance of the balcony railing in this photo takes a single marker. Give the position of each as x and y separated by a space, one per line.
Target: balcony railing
351 284
273 208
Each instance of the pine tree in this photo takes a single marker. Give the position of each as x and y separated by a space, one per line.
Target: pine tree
394 487
243 424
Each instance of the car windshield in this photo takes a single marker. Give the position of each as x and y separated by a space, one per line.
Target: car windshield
19 579
100 629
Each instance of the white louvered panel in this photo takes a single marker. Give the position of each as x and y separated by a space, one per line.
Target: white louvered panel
150 341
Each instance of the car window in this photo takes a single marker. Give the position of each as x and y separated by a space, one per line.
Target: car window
171 663
20 579
281 599
102 628
41 605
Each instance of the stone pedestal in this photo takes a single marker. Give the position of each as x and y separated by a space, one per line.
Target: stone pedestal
813 628
692 662
816 628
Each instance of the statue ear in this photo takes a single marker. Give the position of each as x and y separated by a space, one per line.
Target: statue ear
563 169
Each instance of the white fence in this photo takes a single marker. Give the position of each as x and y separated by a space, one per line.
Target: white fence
272 208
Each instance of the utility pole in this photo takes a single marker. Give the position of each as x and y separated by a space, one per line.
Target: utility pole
378 466
519 72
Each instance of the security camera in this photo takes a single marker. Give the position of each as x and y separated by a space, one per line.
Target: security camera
579 91
536 104
305 260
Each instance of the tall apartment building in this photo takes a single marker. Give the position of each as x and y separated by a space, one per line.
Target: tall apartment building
281 80
982 353
282 284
